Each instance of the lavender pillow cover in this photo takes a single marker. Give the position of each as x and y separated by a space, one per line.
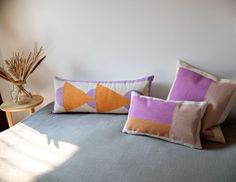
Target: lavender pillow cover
174 121
193 84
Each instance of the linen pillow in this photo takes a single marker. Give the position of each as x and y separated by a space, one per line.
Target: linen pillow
97 96
174 121
194 84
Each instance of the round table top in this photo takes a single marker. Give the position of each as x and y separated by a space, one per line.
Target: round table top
13 107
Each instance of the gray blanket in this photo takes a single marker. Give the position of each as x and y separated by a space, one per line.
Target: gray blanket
92 148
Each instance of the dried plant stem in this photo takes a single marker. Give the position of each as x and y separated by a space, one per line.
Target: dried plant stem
20 66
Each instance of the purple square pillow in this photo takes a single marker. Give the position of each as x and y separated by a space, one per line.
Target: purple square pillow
193 84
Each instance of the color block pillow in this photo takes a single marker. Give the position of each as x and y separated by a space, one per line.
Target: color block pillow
193 84
97 96
178 122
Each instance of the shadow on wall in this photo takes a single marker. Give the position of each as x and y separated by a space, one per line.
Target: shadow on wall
14 27
7 17
41 82
1 55
160 90
3 6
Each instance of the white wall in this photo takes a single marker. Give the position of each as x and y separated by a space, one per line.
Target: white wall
120 39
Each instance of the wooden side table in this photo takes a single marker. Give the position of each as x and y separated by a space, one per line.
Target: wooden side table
10 107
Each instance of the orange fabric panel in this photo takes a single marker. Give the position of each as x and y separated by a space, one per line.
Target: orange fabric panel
148 127
74 97
108 100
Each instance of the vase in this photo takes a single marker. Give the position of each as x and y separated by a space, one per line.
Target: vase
19 93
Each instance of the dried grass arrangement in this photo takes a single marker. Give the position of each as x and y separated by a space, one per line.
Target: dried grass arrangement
18 68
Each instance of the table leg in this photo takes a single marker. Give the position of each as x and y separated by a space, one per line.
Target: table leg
32 110
9 119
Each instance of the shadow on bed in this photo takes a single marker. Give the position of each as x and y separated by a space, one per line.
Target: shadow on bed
106 154
229 130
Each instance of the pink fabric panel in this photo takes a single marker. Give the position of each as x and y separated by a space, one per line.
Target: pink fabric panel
218 96
186 124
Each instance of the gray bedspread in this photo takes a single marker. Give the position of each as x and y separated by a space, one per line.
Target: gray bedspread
92 148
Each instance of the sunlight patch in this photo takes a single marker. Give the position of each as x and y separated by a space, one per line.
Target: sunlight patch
29 153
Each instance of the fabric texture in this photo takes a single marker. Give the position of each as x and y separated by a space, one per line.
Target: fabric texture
193 84
178 122
97 96
83 147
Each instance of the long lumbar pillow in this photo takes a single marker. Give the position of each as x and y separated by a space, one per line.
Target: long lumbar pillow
194 84
97 96
175 121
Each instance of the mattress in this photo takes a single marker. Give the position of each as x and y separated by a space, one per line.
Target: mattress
92 148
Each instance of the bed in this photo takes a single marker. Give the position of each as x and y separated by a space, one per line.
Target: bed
92 148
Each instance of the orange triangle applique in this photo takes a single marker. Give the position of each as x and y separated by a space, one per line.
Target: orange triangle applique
74 97
108 100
